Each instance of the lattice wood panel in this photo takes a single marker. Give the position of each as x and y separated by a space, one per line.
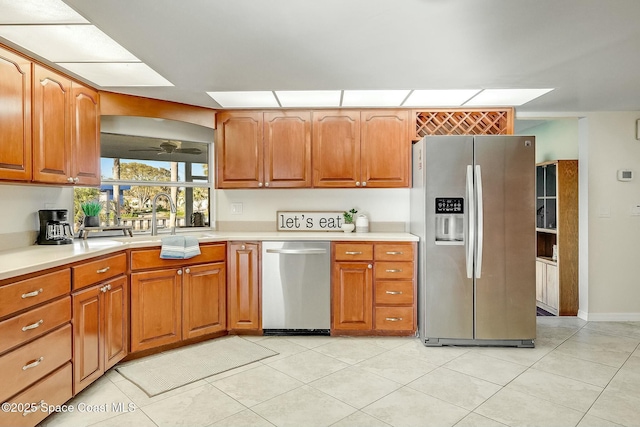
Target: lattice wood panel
464 122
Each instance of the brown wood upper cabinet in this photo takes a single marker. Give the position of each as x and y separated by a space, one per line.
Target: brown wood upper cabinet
361 149
263 150
66 130
15 118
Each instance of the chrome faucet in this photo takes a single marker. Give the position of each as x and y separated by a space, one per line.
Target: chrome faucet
154 224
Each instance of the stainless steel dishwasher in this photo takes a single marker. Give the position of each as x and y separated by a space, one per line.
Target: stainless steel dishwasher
296 288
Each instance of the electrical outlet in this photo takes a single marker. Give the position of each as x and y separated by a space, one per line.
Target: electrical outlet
236 208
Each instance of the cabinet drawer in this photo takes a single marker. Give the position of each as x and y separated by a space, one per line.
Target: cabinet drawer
21 328
55 389
353 252
150 258
393 270
393 252
394 318
27 364
394 292
27 293
99 270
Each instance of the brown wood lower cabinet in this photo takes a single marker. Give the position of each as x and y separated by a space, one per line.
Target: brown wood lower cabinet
243 302
373 288
203 300
183 299
352 296
156 308
100 330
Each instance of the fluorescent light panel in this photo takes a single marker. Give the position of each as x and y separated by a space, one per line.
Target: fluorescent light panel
439 98
117 74
505 97
38 12
67 43
245 99
373 98
309 98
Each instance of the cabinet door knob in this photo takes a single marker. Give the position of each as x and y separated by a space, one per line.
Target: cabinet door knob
179 272
70 180
266 184
369 266
76 180
364 183
243 247
187 270
357 183
259 184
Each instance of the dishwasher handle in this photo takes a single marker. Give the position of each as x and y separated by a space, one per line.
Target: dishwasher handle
297 251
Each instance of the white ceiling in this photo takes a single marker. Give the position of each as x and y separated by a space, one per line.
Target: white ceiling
588 50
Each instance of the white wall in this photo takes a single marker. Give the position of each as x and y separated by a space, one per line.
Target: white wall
556 139
20 206
613 233
380 205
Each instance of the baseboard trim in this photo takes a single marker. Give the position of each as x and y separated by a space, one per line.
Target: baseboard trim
609 317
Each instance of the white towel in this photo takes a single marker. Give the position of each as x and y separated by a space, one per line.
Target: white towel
179 247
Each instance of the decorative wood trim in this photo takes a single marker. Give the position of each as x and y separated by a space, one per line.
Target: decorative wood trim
116 104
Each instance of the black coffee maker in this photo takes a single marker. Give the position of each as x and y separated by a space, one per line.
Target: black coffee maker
54 228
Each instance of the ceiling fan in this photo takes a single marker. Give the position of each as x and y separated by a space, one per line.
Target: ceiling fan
170 147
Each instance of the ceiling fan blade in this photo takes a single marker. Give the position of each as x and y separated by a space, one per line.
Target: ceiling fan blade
188 150
146 149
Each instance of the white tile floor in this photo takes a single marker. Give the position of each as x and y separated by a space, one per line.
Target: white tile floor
580 374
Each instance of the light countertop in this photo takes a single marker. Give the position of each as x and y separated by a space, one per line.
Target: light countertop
40 257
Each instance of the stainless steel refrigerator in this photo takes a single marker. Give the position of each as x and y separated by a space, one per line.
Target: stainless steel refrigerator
473 207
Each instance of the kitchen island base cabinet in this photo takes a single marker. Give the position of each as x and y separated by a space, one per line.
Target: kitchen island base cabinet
243 302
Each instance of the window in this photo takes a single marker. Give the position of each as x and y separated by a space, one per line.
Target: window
135 169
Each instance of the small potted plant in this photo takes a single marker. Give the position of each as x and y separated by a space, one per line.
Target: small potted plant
91 211
348 225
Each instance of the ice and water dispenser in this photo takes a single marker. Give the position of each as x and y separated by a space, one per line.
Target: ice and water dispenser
449 221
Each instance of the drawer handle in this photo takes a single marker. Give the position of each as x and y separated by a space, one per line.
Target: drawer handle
394 292
33 364
103 270
394 253
32 294
394 319
32 326
33 408
394 270
353 253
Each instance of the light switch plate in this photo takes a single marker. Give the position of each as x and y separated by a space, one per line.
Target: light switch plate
604 212
635 209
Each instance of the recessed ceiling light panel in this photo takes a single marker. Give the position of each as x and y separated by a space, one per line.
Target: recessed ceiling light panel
245 99
373 98
117 74
67 43
38 12
309 98
505 97
439 98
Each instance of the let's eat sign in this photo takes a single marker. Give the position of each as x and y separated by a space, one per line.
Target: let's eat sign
309 221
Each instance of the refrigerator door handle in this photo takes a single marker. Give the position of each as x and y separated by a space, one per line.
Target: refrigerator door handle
480 211
470 222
